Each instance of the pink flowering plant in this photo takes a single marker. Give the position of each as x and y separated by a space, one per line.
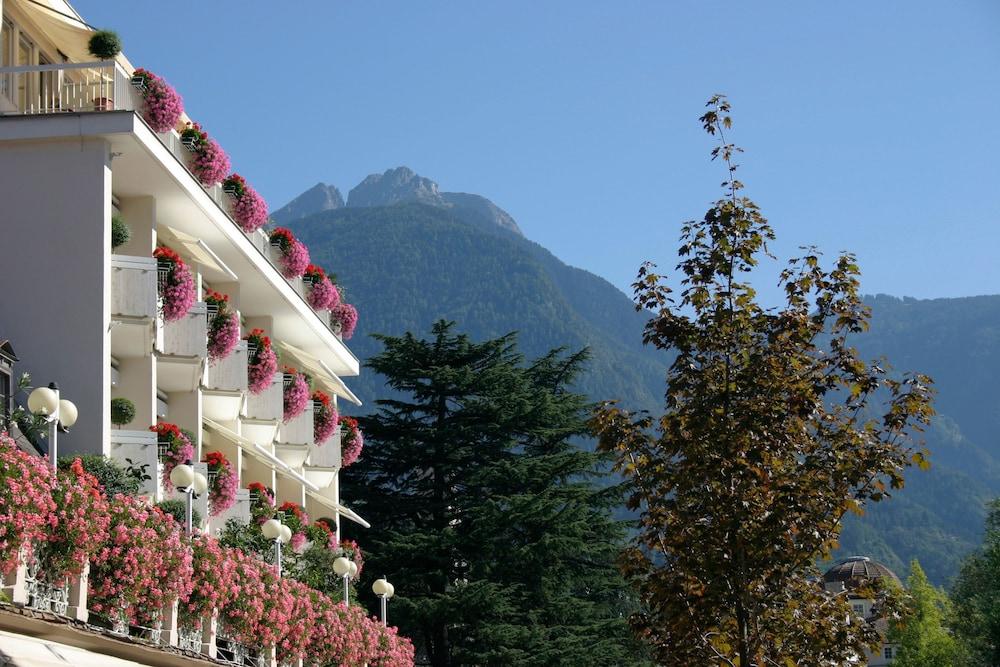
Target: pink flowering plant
214 575
322 293
351 440
209 163
294 256
82 521
26 505
325 417
224 483
177 291
262 361
144 565
296 397
346 317
162 106
224 331
248 208
175 448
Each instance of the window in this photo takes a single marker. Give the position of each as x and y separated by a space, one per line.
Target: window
858 608
6 39
887 653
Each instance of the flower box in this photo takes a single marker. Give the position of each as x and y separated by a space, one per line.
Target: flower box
139 83
189 142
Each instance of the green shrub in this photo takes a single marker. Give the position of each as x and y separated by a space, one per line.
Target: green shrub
104 44
120 232
176 509
122 411
112 476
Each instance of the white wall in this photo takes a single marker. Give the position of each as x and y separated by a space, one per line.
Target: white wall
55 232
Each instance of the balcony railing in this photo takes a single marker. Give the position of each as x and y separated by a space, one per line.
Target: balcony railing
186 337
133 286
137 450
66 88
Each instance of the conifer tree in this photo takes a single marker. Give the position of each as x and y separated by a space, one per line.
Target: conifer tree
976 596
484 515
768 438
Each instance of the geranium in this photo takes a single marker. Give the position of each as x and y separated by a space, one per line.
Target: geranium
143 566
177 290
325 417
224 330
295 516
26 505
209 163
81 513
262 363
261 496
346 317
351 441
294 255
175 448
322 532
214 580
163 106
224 482
296 394
249 208
322 293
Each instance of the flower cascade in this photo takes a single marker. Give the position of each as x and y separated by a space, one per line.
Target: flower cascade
176 447
177 290
322 293
325 417
294 256
351 440
224 482
82 522
296 393
26 505
162 106
262 363
346 317
249 208
209 162
224 329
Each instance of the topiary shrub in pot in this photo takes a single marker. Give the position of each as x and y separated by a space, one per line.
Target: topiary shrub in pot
120 232
122 411
104 44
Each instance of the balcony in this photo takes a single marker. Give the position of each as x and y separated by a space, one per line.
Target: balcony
133 305
294 438
263 412
224 384
135 449
67 88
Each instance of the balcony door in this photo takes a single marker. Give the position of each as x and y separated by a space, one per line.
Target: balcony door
6 60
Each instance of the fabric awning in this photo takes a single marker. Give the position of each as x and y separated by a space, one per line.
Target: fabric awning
342 510
259 452
23 651
59 22
319 371
196 250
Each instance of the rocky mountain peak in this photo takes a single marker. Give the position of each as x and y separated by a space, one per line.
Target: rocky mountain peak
394 186
320 197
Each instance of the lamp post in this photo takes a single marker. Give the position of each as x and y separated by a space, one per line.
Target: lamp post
347 569
59 413
192 484
281 534
384 590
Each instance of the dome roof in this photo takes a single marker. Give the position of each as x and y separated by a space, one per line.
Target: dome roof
857 570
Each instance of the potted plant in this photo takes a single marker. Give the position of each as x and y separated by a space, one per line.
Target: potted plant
222 482
351 440
293 257
325 417
322 295
104 44
122 411
249 209
223 326
344 318
176 285
120 232
296 393
262 363
162 106
209 163
173 448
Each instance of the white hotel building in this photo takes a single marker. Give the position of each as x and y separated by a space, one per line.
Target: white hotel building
73 153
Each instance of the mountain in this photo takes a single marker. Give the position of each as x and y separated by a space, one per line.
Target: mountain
407 255
320 197
401 185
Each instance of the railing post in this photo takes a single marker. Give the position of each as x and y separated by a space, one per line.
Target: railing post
209 632
271 656
15 584
77 609
168 631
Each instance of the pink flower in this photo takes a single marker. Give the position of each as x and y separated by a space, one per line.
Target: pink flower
261 370
223 336
250 210
296 396
352 442
210 163
178 291
295 260
346 316
325 419
323 295
163 106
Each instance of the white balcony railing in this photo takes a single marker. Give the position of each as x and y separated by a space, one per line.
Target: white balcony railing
133 286
186 337
66 88
138 450
326 455
269 404
229 374
299 430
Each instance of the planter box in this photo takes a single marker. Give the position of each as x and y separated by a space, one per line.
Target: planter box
186 337
133 286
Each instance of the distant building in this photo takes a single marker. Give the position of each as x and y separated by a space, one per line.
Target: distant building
848 576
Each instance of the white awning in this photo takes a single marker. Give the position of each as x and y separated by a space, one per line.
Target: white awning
259 452
23 651
342 510
196 250
319 371
61 24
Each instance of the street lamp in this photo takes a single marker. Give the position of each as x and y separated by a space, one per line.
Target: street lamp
59 413
281 534
384 590
192 484
347 569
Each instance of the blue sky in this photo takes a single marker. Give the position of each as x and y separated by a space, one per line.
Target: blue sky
868 126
